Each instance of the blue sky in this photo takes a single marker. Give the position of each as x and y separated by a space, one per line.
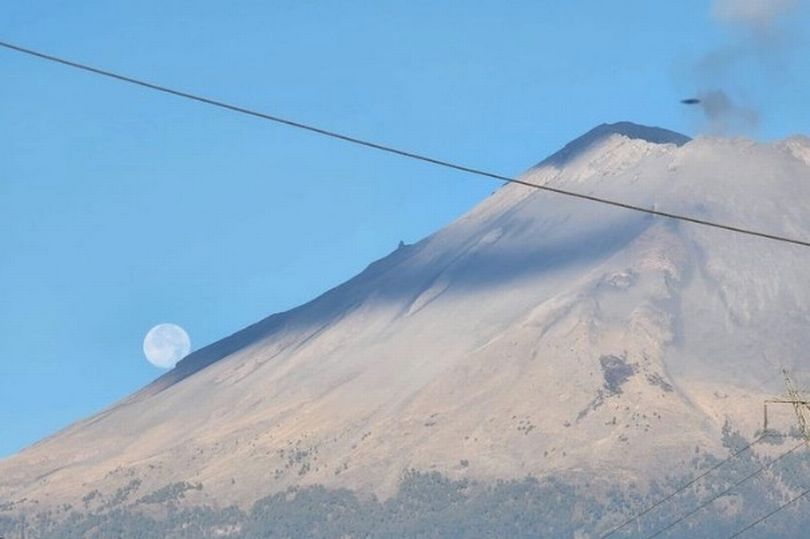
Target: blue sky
121 208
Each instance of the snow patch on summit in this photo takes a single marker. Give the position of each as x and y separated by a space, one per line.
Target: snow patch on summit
652 135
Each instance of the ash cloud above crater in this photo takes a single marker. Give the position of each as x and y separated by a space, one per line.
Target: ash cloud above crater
750 62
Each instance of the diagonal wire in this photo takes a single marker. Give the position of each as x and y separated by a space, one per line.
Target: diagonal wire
769 515
729 489
391 149
685 486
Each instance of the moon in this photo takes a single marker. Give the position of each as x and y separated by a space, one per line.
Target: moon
165 345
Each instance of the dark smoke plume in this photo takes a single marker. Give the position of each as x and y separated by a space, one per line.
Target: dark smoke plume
724 115
757 24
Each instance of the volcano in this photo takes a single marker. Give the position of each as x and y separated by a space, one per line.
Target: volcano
587 347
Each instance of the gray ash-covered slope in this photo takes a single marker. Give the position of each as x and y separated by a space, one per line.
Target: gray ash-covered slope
204 357
537 335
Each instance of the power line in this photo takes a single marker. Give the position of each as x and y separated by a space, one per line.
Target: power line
684 486
729 489
391 149
769 515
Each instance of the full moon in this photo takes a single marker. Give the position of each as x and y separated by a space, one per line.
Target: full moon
165 345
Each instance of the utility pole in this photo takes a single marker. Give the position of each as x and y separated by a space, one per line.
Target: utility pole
800 406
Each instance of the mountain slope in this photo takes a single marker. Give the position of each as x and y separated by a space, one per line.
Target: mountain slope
536 335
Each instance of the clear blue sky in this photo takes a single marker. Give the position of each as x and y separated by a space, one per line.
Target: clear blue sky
121 208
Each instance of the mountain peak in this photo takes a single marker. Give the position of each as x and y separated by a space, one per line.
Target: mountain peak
536 335
654 135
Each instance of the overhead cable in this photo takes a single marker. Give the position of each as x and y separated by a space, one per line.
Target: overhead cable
396 151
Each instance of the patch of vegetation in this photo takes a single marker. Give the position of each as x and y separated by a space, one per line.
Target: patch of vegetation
90 496
430 505
169 493
122 494
657 380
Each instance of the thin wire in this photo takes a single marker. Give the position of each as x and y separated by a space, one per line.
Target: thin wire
729 489
769 515
684 486
393 150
